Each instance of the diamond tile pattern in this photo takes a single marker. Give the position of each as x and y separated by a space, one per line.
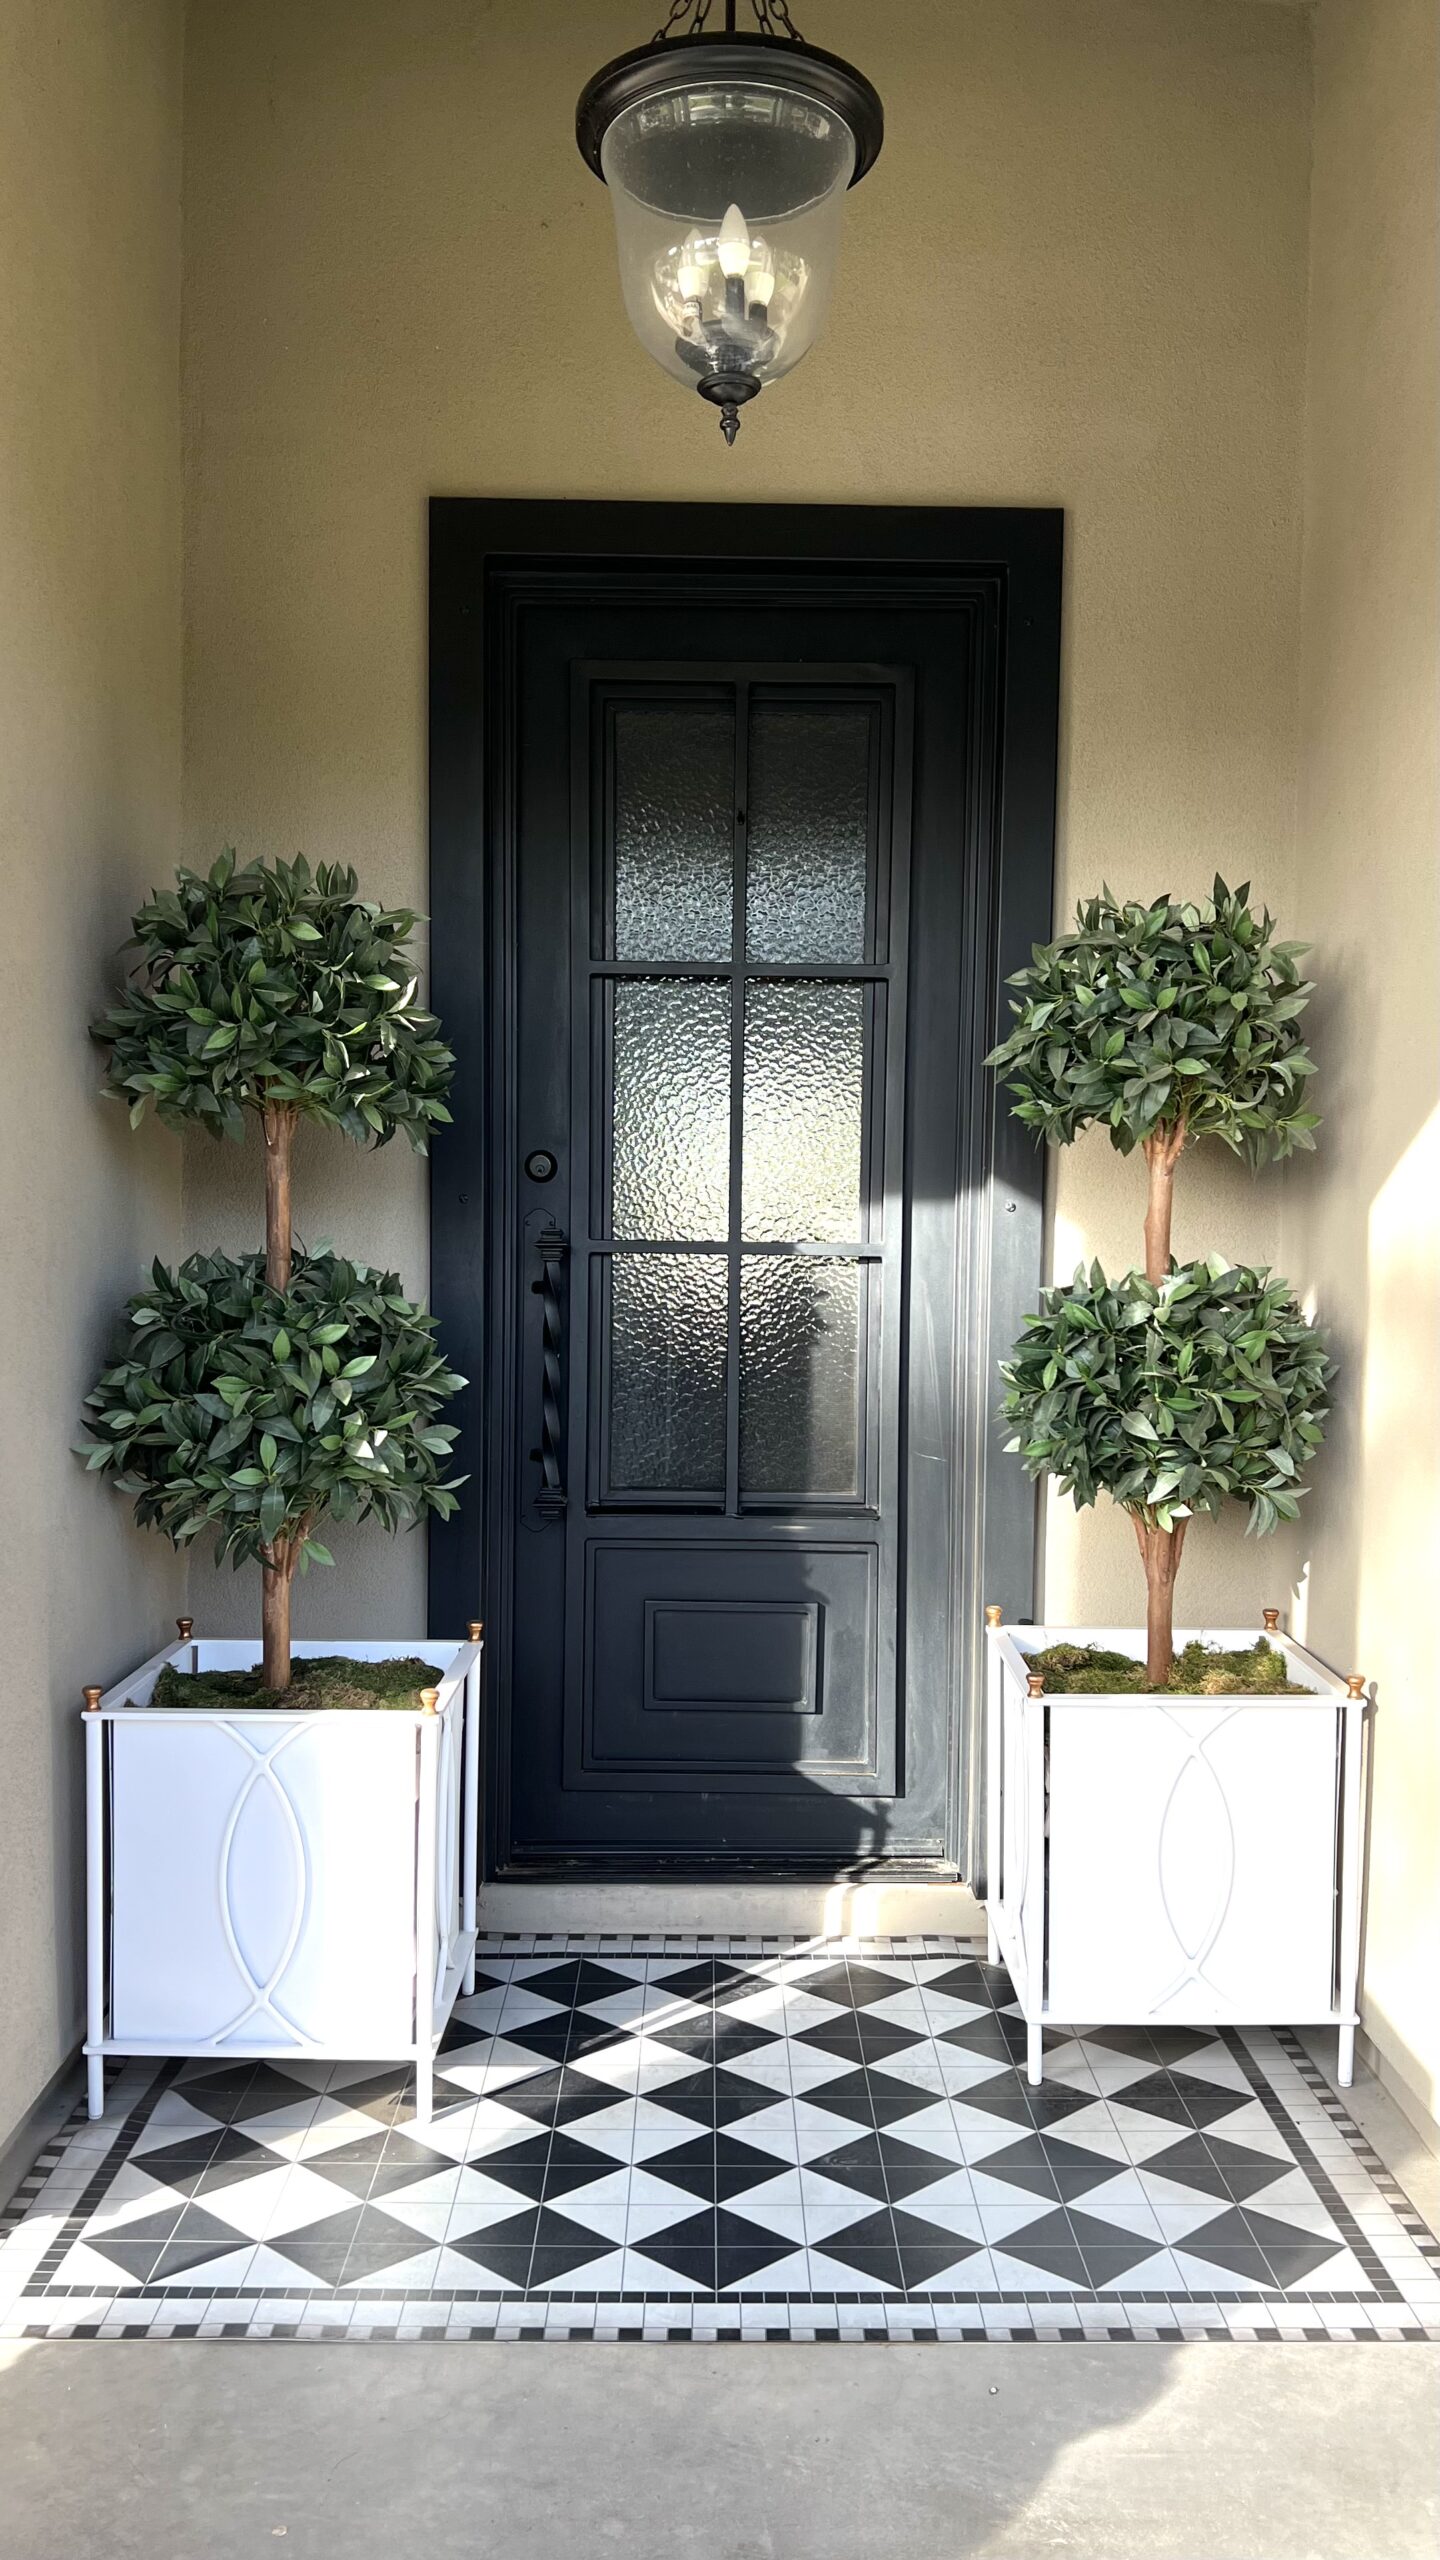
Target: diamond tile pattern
789 2125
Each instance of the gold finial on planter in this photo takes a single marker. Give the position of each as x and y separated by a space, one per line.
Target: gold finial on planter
1034 1685
92 1695
184 1625
1272 1621
475 1630
993 1614
1355 1685
430 1701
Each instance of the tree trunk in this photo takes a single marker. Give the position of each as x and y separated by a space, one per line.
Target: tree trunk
1162 1154
277 1119
278 1572
1161 1550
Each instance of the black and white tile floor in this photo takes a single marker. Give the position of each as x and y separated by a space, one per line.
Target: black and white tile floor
729 2138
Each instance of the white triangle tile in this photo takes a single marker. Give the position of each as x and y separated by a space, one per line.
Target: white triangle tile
640 2274
171 2120
598 2275
1198 2276
455 2273
232 2267
87 2266
112 2213
407 2275
1157 2274
975 2274
831 2275
1178 2221
786 2221
783 2275
270 2271
1140 2135
595 2221
1252 2126
431 2221
1012 2275
282 2199
1309 2216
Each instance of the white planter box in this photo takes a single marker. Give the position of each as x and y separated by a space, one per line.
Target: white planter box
1174 1861
267 1882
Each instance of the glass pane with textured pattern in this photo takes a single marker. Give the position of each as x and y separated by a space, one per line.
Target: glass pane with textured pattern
667 1372
670 1138
807 864
800 1375
674 830
804 1111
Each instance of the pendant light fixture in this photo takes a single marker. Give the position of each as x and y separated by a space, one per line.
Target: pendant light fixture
728 152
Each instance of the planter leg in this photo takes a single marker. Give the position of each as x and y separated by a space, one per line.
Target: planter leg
1034 2066
992 1943
95 2086
424 2088
1345 2072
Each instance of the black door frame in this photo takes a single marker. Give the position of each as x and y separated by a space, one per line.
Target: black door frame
488 557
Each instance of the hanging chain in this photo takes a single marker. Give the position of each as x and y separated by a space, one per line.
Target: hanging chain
697 11
690 17
774 19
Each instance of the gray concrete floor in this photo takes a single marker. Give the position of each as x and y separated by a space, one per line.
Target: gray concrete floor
1208 2452
568 2452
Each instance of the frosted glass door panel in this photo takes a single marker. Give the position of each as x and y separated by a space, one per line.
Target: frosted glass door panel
667 1373
673 830
800 1376
809 832
804 1112
670 1135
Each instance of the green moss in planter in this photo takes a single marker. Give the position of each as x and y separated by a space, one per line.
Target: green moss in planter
317 1680
1198 1671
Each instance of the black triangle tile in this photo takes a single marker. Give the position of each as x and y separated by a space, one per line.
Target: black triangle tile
715 2167
927 2251
997 2036
687 2246
1050 2244
223 2163
971 1982
743 2248
707 1979
562 2247
556 2097
909 2170
1049 2105
828 1982
1155 2045
138 2247
872 2039
1044 2165
1188 2102
860 2099
868 2245
858 2164
550 2164
577 1982
710 2097
714 2038
501 2243
238 2092
385 2242
1193 2163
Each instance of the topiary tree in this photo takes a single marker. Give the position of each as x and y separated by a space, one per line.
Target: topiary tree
1173 1390
255 1396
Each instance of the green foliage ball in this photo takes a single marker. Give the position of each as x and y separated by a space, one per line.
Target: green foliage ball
1171 1399
1148 1017
255 1412
272 985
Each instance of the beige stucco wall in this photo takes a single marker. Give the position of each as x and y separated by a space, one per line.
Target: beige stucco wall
1076 277
90 96
1362 1226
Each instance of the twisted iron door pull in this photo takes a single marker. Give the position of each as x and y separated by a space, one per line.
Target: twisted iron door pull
552 1248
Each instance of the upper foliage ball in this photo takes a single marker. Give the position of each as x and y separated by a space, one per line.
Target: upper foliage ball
1171 1399
1159 1017
268 985
257 1412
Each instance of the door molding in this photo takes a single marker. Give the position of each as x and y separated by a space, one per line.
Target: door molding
489 559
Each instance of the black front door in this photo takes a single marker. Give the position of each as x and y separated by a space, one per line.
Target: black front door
743 929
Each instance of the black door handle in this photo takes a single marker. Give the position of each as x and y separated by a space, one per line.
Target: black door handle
552 1248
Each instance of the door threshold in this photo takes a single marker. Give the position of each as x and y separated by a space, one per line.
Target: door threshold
735 1907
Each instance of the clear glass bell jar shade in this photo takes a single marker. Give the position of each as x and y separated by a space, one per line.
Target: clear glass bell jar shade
728 200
